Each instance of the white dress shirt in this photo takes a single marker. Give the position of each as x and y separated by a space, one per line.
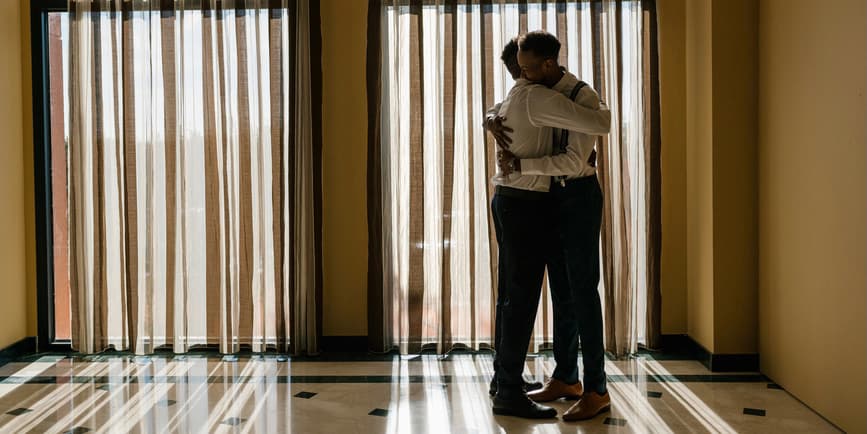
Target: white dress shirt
573 163
531 111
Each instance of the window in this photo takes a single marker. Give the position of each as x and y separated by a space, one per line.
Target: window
49 22
187 147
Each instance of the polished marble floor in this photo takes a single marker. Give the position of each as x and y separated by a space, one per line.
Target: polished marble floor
396 394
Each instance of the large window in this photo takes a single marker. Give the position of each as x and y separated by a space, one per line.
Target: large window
177 182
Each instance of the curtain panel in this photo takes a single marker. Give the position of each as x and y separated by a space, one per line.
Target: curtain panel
433 68
194 157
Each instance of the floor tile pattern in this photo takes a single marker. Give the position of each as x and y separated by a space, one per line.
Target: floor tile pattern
383 394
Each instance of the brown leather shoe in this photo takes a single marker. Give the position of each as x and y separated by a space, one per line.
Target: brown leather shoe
589 406
556 389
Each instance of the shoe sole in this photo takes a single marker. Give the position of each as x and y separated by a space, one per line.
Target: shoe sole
567 398
605 409
503 412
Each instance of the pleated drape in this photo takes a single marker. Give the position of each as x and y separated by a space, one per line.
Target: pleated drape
433 69
193 179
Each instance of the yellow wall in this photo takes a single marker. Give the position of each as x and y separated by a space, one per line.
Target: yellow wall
812 189
699 172
13 309
734 102
721 228
672 84
29 187
344 171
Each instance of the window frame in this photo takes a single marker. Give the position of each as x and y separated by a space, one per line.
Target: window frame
44 230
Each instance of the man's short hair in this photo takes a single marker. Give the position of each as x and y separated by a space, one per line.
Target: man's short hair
510 51
540 43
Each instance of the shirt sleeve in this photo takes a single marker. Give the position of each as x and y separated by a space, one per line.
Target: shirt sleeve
569 162
549 108
493 111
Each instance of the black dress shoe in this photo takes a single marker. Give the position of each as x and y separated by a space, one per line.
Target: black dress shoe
528 386
522 406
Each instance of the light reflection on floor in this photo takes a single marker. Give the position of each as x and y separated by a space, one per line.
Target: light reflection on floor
420 394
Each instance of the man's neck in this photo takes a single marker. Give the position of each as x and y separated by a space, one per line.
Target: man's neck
555 78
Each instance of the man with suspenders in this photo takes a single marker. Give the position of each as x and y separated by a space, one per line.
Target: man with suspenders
539 223
573 256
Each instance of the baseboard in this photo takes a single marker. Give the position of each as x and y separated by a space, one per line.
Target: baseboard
344 344
24 347
734 363
684 345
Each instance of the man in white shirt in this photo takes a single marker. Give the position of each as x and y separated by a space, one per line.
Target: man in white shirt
523 210
494 124
573 265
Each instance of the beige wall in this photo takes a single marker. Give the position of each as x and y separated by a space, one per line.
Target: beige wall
344 171
812 214
29 186
699 172
721 75
735 69
672 84
14 307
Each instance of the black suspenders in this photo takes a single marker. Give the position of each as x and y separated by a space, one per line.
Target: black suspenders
560 147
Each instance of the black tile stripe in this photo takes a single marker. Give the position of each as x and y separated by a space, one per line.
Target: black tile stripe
233 421
754 411
378 412
614 421
444 379
324 357
19 411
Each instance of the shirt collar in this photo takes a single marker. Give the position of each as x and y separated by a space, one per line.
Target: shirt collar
566 83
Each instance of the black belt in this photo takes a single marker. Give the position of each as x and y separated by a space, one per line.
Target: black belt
520 194
557 183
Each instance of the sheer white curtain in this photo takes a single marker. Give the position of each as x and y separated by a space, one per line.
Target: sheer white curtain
440 70
191 175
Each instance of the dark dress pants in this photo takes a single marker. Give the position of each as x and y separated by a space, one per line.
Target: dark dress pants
573 271
522 224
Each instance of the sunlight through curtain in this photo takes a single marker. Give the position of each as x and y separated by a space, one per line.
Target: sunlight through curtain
192 174
433 70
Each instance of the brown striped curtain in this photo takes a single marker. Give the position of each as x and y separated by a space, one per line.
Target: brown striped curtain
194 190
433 69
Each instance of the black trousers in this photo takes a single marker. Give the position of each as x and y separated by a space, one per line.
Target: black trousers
524 232
573 273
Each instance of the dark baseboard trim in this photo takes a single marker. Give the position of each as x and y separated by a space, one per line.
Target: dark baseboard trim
22 348
734 363
344 344
685 346
682 346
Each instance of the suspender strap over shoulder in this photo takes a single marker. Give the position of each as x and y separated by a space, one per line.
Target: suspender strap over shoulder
577 89
564 134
